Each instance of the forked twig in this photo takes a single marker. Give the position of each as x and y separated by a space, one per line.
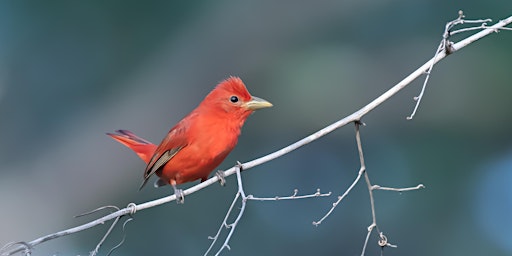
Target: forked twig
97 248
383 241
241 194
447 47
232 226
122 240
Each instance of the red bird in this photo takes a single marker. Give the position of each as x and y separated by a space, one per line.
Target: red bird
200 141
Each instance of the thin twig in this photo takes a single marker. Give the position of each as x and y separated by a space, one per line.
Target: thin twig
292 197
122 240
223 224
340 198
234 224
231 226
370 229
369 186
95 251
377 187
424 86
244 199
362 170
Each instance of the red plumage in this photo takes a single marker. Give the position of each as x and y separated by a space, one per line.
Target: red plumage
201 140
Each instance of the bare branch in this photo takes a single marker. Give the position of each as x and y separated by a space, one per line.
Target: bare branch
224 224
362 170
241 193
292 197
383 241
234 224
447 47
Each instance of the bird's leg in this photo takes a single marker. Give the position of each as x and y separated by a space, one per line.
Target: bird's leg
222 177
180 197
159 183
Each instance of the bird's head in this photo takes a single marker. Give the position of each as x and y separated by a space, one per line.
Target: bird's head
231 97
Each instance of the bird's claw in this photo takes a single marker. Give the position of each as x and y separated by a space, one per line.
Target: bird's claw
222 177
180 196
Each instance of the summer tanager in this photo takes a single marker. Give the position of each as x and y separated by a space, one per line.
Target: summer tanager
200 141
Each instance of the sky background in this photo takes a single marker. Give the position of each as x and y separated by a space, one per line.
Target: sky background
72 70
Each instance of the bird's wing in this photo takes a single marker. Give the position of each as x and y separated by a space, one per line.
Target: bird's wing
170 146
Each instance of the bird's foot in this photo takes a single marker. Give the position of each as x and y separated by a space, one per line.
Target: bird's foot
222 177
180 196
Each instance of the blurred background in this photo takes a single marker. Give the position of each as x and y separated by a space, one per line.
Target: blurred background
72 70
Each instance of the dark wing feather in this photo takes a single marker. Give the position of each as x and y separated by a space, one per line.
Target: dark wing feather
161 161
168 148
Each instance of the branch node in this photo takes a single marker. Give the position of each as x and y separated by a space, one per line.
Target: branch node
359 122
362 170
371 227
132 207
448 47
239 165
383 241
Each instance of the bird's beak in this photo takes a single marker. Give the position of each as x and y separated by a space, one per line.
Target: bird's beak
257 103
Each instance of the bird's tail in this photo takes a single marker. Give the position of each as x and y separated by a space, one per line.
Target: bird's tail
143 148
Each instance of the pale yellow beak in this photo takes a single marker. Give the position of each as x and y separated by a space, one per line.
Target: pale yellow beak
257 103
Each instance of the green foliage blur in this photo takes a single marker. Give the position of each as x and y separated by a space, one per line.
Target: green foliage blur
72 70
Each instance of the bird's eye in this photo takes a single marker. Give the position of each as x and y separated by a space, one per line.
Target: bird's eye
233 99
